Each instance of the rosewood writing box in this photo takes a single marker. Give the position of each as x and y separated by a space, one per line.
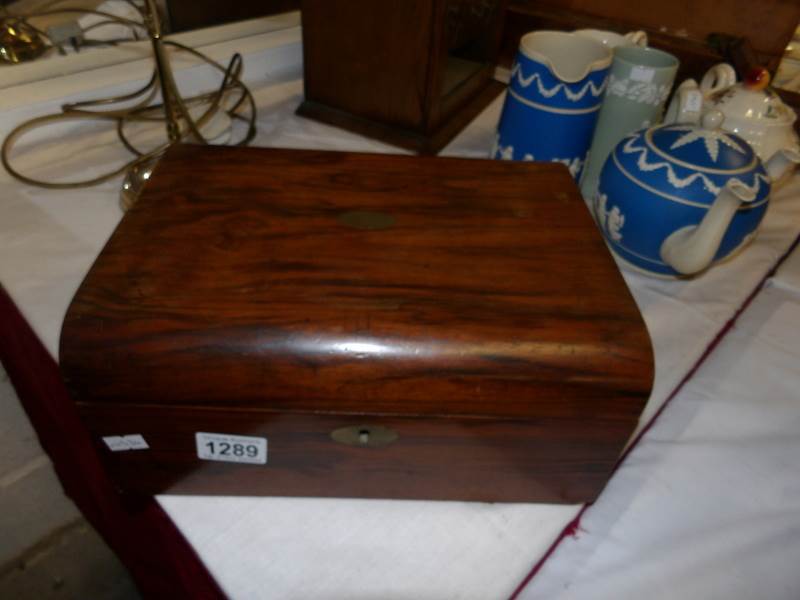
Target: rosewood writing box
387 326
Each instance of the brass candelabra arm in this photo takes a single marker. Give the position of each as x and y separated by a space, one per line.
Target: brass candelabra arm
232 99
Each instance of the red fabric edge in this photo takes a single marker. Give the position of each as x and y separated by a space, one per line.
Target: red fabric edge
573 526
160 560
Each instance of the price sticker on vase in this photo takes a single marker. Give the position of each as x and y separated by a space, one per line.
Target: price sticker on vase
643 74
227 447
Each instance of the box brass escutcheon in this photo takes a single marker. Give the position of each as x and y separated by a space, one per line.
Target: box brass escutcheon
367 436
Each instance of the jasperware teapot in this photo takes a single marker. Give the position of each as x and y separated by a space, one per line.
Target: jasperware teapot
675 198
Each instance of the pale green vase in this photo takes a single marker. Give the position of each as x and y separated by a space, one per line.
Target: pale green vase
638 87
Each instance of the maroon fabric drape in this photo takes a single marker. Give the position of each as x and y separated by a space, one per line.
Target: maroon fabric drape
158 557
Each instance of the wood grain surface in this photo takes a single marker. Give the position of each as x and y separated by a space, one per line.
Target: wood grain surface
274 290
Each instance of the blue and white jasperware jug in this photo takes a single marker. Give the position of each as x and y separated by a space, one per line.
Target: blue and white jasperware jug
675 198
551 107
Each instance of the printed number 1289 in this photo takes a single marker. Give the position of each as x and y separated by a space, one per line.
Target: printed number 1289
231 448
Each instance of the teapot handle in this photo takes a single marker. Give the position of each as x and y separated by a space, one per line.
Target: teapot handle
717 78
637 38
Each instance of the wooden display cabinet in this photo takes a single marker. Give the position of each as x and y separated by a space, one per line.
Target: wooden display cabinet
408 72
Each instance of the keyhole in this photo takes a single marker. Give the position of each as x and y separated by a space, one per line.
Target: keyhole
364 435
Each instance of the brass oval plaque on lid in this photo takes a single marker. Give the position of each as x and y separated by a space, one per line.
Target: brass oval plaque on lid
365 436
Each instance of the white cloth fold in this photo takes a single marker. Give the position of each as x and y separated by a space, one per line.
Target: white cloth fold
707 505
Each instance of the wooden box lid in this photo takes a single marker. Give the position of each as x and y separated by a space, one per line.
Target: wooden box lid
327 282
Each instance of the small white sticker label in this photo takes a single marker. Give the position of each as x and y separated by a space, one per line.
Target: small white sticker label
694 101
116 443
644 74
136 442
122 443
231 448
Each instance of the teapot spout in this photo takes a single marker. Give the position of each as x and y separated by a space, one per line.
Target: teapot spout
691 249
780 163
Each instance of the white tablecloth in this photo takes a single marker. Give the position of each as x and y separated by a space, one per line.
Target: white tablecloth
304 548
708 503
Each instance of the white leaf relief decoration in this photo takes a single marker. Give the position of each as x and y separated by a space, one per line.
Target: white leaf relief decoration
507 153
638 91
711 137
642 163
573 164
502 152
589 86
612 221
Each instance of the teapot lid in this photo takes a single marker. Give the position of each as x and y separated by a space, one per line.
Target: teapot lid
752 100
707 147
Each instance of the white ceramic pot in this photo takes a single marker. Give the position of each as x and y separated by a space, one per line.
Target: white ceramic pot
751 109
758 116
611 39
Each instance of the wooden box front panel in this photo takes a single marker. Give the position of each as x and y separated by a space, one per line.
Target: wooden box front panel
546 460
